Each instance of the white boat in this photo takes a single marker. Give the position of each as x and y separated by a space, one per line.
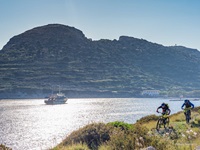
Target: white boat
58 98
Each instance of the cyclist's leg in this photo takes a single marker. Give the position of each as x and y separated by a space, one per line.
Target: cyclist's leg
164 121
189 114
185 113
167 120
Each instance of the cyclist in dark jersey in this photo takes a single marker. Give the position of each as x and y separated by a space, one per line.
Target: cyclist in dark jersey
165 110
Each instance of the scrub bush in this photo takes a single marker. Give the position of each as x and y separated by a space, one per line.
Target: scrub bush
148 118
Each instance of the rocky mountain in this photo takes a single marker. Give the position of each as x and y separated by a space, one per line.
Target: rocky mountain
38 60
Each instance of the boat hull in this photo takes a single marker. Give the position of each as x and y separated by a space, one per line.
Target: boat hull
54 102
58 98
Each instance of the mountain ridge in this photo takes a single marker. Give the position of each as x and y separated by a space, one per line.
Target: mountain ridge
55 54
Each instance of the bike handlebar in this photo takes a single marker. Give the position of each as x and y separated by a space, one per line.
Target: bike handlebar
189 108
159 112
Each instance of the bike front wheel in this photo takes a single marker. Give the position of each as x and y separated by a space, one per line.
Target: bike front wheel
159 124
162 122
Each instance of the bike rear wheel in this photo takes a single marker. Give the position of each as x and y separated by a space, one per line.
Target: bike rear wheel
162 122
187 117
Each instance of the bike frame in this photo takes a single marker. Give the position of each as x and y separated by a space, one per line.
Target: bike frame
161 120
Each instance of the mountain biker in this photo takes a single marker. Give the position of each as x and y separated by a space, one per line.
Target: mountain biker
187 104
165 110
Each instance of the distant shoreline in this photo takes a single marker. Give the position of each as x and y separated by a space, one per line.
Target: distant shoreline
183 99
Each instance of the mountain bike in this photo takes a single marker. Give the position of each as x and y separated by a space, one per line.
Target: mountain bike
163 122
187 112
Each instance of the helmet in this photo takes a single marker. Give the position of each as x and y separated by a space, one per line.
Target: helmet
163 104
186 101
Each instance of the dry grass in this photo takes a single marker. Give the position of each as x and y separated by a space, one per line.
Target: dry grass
115 135
188 134
120 135
72 147
4 147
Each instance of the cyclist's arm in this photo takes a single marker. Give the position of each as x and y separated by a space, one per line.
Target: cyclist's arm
158 108
182 105
169 111
192 105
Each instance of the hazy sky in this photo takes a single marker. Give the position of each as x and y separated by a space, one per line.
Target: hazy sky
166 22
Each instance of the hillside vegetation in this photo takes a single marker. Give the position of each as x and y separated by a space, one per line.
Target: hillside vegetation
36 61
138 136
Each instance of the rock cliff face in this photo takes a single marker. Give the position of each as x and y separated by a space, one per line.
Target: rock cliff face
51 41
47 56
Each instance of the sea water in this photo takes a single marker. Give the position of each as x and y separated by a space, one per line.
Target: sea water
29 124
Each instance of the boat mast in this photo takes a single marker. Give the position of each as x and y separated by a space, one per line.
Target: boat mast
59 89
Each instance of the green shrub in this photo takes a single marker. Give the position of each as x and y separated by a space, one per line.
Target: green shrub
119 140
198 122
135 137
196 109
72 147
92 135
148 118
120 136
179 120
121 125
3 147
